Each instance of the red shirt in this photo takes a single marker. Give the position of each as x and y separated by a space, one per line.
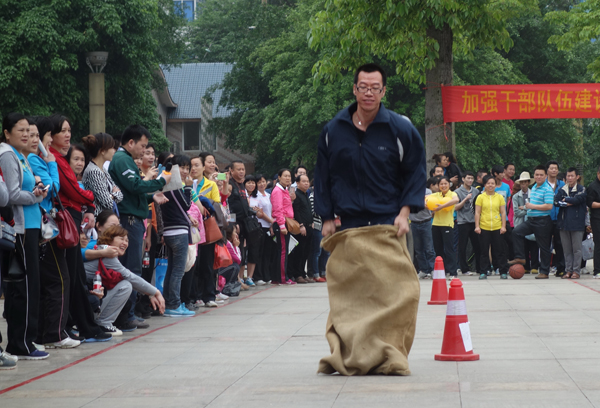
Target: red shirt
71 195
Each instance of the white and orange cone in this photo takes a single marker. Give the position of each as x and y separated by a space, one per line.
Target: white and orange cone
439 290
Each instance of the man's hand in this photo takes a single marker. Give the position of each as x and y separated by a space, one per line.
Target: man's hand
328 228
401 222
147 242
158 302
303 231
152 173
160 198
110 252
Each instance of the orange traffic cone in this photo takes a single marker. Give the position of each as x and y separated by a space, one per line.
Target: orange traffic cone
457 344
439 290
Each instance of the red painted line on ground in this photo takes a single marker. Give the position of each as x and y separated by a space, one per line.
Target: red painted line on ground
5 390
585 286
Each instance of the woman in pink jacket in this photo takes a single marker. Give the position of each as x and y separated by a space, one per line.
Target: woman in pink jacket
282 208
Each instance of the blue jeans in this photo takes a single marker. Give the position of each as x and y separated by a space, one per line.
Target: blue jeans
423 243
178 250
313 255
132 259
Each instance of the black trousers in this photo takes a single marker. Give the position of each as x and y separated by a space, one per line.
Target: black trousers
443 243
299 255
558 259
80 310
466 232
532 255
509 251
55 294
143 305
496 241
207 276
595 223
541 227
22 298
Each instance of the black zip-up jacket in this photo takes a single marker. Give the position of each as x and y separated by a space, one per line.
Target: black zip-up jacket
571 218
174 217
593 195
373 177
302 209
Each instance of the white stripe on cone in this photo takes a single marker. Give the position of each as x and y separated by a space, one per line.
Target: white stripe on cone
437 274
456 308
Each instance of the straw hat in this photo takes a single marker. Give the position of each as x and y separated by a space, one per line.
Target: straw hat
525 177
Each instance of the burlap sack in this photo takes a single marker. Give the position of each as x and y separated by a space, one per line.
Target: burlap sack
373 298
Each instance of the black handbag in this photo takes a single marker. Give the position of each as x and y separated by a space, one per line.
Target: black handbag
16 268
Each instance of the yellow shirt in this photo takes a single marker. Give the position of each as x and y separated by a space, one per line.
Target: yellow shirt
445 217
490 218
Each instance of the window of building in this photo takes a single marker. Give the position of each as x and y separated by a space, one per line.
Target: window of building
186 8
191 135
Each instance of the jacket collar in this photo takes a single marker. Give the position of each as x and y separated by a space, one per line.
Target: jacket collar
575 188
383 116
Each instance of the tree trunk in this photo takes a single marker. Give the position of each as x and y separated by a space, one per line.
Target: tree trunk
441 73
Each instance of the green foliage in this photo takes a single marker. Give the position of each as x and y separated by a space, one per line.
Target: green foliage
397 31
42 58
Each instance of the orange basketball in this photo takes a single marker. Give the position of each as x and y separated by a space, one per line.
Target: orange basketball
516 271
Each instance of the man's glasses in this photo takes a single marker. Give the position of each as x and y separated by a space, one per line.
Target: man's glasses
364 89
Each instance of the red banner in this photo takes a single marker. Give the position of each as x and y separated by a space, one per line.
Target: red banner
501 102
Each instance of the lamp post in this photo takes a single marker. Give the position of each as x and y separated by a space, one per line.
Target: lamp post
97 61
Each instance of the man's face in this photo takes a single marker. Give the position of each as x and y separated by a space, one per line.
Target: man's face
300 171
524 185
539 176
148 158
137 149
369 100
552 170
499 176
509 172
238 172
468 180
304 183
438 171
480 178
571 178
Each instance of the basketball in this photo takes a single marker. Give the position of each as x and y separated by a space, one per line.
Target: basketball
516 271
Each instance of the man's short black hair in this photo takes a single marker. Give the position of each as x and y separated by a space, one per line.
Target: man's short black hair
551 162
540 167
233 163
467 173
481 172
497 169
371 67
570 169
433 169
508 164
299 178
431 181
135 133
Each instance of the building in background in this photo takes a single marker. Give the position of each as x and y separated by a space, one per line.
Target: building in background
185 112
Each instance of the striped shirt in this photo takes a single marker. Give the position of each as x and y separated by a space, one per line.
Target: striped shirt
541 195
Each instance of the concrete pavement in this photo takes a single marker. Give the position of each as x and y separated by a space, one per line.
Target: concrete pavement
539 343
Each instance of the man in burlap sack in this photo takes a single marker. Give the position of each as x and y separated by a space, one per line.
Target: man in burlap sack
371 172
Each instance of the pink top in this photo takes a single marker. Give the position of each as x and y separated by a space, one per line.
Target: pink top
234 252
194 212
282 205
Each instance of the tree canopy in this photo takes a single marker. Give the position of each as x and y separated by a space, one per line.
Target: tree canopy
42 58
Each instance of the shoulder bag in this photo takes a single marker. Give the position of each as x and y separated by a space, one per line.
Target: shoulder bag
110 277
292 226
68 235
49 229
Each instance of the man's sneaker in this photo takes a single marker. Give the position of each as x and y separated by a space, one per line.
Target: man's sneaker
467 273
7 362
192 307
458 271
290 282
10 356
503 276
320 279
222 296
128 326
141 324
534 271
74 335
541 276
260 282
497 272
199 303
250 282
186 311
39 347
35 355
300 279
99 338
65 343
210 303
219 302
181 311
596 276
112 330
483 276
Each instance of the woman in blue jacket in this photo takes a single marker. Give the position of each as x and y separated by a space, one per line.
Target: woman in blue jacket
570 200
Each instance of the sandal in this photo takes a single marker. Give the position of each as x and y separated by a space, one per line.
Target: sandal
567 275
575 276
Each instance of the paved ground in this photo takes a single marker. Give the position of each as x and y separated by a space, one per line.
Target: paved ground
538 341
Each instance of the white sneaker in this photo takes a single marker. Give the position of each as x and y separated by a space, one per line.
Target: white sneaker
260 282
467 273
597 276
422 275
39 347
64 344
219 301
112 330
222 296
199 303
211 304
9 356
